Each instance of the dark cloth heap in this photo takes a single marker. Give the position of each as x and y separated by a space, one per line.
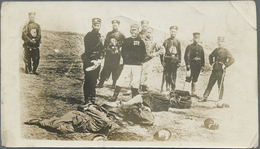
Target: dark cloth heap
135 113
90 118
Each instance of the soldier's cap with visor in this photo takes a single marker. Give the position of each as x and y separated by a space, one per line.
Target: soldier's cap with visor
115 21
134 26
149 28
96 21
174 27
221 38
196 34
144 22
32 13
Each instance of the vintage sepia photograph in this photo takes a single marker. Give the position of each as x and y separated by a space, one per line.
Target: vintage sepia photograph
129 74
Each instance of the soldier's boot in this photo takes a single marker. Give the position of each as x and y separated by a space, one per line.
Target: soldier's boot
203 99
34 70
101 83
134 92
26 69
193 89
114 84
116 93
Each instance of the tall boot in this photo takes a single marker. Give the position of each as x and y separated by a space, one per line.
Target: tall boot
116 93
193 89
134 92
114 84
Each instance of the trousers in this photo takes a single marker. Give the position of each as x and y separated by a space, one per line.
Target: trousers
130 76
147 71
170 74
111 66
195 71
216 76
90 84
31 58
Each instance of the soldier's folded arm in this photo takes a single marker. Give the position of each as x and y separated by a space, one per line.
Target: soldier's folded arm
230 59
39 35
107 40
179 50
202 58
24 35
211 56
186 56
143 54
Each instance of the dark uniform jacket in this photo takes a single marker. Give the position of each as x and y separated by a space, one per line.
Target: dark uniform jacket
94 48
221 56
194 55
27 37
170 45
120 37
133 51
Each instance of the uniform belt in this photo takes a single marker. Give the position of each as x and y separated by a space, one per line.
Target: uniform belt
196 59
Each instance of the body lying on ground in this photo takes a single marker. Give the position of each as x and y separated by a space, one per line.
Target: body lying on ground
139 109
94 120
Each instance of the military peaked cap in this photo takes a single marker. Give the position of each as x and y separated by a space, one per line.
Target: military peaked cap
135 26
96 21
31 13
173 27
144 21
196 34
115 21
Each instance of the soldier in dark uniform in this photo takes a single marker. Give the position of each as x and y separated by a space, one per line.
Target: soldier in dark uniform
133 54
220 59
194 60
94 51
31 36
172 58
145 25
113 44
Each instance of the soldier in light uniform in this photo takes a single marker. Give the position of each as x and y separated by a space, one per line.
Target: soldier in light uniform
171 59
145 25
94 51
194 60
113 44
220 59
31 36
133 54
153 49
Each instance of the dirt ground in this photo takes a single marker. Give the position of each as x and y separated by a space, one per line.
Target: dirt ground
58 89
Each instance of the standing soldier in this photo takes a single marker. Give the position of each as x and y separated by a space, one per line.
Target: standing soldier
133 54
92 60
222 60
113 44
153 49
172 58
144 25
31 36
194 60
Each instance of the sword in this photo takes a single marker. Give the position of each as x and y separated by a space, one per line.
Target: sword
221 83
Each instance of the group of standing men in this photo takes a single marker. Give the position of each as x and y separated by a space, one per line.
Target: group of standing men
137 53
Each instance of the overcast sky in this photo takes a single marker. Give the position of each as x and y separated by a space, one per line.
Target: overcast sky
209 18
